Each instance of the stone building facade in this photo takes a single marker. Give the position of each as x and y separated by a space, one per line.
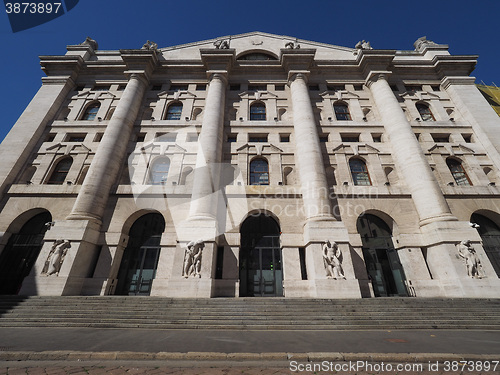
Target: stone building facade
253 165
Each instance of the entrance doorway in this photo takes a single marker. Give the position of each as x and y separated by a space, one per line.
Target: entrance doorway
140 258
490 234
261 273
21 252
382 261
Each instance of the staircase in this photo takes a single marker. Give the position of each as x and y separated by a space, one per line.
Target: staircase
249 313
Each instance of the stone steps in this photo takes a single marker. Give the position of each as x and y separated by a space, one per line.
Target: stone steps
249 313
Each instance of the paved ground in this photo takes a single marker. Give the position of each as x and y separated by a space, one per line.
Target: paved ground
139 351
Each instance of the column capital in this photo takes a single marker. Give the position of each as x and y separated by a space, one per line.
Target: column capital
298 74
218 60
139 75
218 74
139 61
374 76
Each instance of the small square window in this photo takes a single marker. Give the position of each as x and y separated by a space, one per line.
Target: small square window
467 138
314 87
257 138
377 138
192 137
141 137
80 88
279 87
50 137
349 137
441 138
121 87
201 87
417 135
75 138
102 87
335 87
436 88
98 137
285 138
323 138
156 88
231 138
358 87
413 88
234 87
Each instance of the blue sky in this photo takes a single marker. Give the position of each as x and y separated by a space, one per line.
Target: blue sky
468 27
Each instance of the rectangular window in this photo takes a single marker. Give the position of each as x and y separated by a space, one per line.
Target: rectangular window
75 137
279 87
413 88
302 260
436 88
377 138
141 137
156 88
284 138
358 87
314 87
257 87
231 138
394 88
467 138
323 138
349 137
219 262
257 138
102 87
201 87
417 135
441 138
192 137
98 137
50 137
178 87
80 88
121 87
234 87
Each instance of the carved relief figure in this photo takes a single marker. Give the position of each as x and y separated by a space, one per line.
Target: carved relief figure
472 261
292 45
150 46
90 42
192 259
56 257
363 44
221 44
332 259
423 42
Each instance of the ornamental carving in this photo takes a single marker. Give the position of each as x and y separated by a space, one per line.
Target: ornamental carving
221 44
192 259
152 46
90 42
292 45
332 259
56 257
472 261
363 44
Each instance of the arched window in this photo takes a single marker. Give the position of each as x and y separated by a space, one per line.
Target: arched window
259 172
258 112
458 172
60 171
490 234
359 172
174 111
158 172
425 112
342 112
91 112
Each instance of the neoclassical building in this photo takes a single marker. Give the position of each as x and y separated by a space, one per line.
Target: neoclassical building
253 165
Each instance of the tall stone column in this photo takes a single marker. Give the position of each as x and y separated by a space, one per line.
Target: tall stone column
206 176
408 155
315 191
108 159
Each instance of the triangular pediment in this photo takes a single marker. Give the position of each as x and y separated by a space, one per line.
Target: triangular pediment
259 42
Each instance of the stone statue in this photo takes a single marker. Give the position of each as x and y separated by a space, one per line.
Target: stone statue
472 261
221 44
332 259
423 42
192 259
363 44
56 257
150 46
292 45
90 42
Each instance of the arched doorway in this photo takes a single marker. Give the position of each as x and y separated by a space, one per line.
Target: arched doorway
490 234
21 252
261 273
140 258
381 259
